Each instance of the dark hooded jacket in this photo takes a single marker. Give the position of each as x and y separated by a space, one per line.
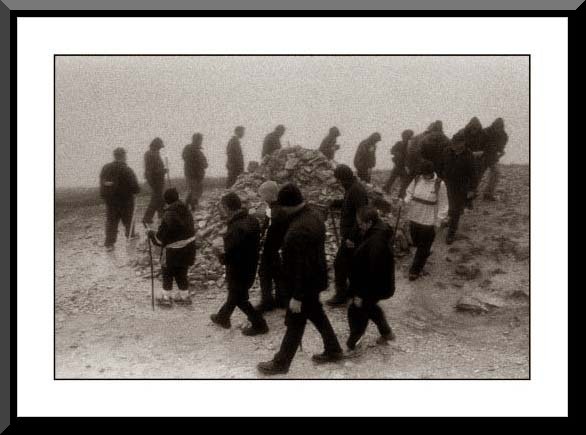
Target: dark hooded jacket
177 224
235 161
429 145
124 183
328 146
372 274
154 168
304 255
355 197
433 144
271 143
399 153
474 135
195 163
364 159
458 170
241 245
496 140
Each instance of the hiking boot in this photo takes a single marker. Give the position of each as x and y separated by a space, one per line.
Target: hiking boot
337 301
488 197
384 339
252 330
109 248
413 276
271 368
224 323
327 357
184 302
450 238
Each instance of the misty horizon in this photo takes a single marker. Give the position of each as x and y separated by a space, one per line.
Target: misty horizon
103 102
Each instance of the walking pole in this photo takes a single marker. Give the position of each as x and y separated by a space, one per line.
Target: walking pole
168 175
152 270
131 231
397 224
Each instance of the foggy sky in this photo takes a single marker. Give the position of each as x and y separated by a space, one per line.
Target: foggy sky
106 102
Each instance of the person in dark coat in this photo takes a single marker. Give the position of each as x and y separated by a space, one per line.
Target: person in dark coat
176 236
240 256
304 262
458 174
328 146
355 197
399 153
495 141
272 141
372 277
270 270
154 173
475 141
195 165
118 185
235 163
429 145
365 157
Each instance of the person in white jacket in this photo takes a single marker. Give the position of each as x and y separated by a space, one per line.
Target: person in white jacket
427 208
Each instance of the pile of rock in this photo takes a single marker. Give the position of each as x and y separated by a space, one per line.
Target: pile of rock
308 169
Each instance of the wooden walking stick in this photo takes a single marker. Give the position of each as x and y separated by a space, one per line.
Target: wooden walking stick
397 224
152 269
168 175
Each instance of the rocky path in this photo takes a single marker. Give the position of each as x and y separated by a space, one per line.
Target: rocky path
468 317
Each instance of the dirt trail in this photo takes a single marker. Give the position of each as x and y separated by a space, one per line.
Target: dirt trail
105 327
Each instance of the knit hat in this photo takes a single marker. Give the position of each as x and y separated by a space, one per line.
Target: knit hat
269 191
343 173
171 195
290 195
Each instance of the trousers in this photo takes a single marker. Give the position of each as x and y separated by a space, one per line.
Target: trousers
422 237
114 214
312 310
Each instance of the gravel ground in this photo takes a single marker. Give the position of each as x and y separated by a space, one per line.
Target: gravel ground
105 327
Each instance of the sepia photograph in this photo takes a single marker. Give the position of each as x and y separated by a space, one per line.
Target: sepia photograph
292 216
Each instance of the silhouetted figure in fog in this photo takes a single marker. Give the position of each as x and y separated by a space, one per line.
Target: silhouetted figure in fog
365 157
195 165
495 141
118 185
329 146
154 173
399 153
272 141
235 163
458 174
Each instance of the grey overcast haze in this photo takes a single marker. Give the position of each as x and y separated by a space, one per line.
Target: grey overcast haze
106 102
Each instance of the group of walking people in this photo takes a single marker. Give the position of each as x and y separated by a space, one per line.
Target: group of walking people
438 179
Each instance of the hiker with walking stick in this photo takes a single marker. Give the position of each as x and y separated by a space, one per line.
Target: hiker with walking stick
154 173
176 235
118 186
355 197
427 202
